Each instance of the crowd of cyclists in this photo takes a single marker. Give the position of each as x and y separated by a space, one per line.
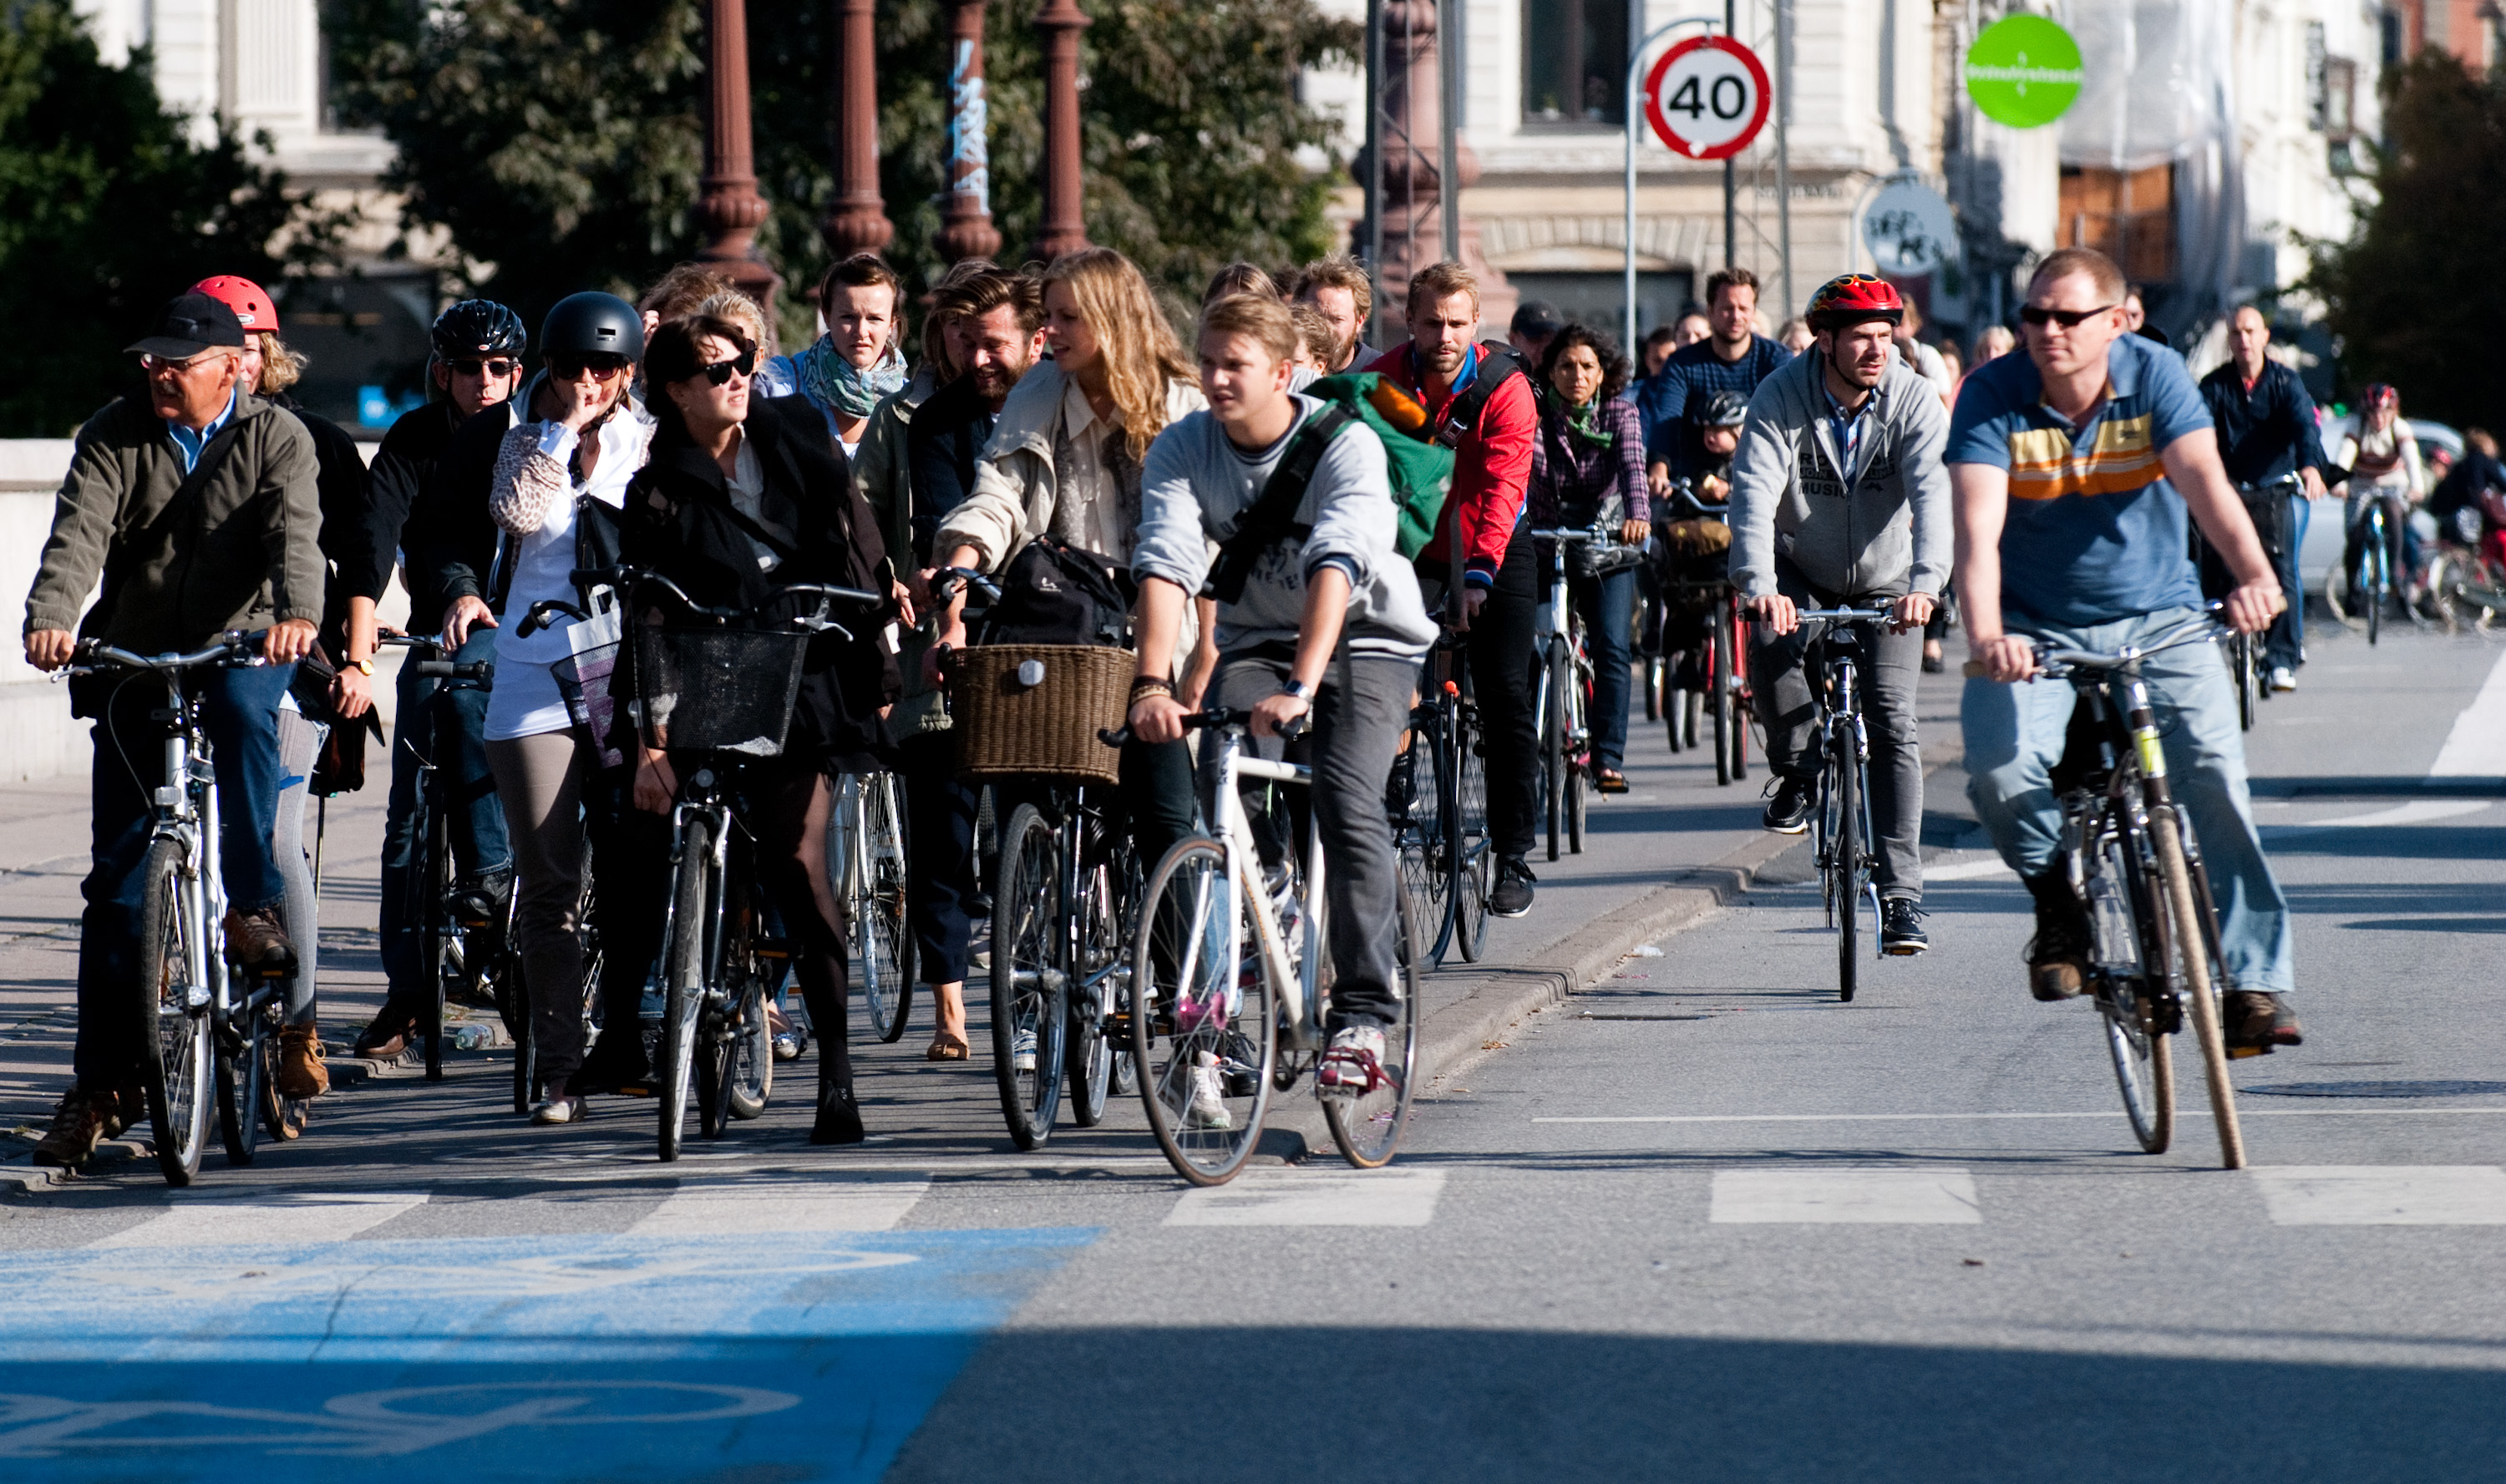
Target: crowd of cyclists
1046 428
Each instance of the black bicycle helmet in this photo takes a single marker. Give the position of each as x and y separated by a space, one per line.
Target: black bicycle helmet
478 327
1725 410
592 324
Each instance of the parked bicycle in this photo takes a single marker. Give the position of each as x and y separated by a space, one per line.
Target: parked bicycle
1232 971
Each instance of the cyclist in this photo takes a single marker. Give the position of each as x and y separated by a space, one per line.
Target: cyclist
2467 505
2073 468
2380 461
2268 445
1534 326
1718 438
1588 466
1330 625
1338 287
847 372
1839 500
476 363
196 453
1486 400
1733 357
741 497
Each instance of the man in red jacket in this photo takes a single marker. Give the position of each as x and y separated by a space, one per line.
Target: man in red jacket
1493 443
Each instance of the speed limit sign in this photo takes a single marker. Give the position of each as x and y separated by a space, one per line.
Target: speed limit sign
1706 98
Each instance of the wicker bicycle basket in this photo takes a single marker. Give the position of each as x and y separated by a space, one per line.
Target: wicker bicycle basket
718 689
1033 710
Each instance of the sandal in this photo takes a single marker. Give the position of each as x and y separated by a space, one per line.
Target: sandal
1609 782
946 1048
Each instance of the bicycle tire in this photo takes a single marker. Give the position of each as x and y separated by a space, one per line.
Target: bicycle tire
1418 828
1089 1061
1675 709
684 984
1551 700
734 1008
176 1073
1718 685
2136 1038
1844 861
886 949
2241 656
1579 761
1470 845
1651 688
748 1058
283 1117
1028 982
2194 961
2380 581
1369 1129
1187 959
238 1065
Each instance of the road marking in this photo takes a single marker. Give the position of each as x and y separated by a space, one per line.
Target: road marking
1969 871
2476 747
827 1204
1315 1198
1892 1197
2417 812
1948 1118
323 1218
2384 1195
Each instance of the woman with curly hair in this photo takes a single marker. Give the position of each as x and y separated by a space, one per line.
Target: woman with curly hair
1586 467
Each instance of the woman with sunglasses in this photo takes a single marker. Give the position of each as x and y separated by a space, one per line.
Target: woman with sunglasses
741 498
561 474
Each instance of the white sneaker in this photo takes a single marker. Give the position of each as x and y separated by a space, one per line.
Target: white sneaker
2282 677
1022 1051
1354 1065
1207 1107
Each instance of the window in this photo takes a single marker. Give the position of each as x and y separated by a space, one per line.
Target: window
2339 98
2128 215
1574 62
2389 34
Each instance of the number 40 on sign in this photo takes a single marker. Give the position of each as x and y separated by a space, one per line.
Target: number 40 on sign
1706 98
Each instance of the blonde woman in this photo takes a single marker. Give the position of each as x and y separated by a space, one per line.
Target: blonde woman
1065 461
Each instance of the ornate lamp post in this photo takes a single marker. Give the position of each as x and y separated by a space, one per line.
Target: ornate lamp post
857 222
1063 230
966 229
728 203
1409 217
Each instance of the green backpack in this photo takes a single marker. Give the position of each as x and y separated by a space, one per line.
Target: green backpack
1421 472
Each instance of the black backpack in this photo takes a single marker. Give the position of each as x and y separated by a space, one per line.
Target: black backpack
1053 592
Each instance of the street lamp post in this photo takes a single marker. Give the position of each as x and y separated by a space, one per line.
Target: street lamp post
1064 227
727 204
966 229
857 221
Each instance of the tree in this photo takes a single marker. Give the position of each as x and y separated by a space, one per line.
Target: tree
2411 295
108 208
559 142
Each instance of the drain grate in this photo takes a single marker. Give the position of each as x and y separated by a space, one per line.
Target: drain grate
2378 1089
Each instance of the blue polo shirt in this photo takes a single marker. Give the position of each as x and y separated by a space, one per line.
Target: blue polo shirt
2094 532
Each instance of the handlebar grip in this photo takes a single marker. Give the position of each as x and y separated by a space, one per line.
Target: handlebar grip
1973 669
1120 736
595 576
447 669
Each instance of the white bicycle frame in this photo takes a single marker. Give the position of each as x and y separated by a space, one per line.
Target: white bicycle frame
1296 977
205 889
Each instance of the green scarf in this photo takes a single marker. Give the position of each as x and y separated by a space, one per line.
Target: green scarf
1584 422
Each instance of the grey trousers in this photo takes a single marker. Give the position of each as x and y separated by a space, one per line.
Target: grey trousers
1790 713
300 742
1359 714
539 781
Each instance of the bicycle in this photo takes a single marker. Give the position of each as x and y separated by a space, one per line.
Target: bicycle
1562 694
2368 582
1718 660
1221 1016
2132 857
212 1026
1438 800
866 864
1840 833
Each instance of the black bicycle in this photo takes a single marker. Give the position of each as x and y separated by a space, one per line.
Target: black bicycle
1437 801
1842 839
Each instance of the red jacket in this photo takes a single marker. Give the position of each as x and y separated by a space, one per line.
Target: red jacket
1490 467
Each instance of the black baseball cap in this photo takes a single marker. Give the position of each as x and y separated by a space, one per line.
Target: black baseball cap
1534 318
192 323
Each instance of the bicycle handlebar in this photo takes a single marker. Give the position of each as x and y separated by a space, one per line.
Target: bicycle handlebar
1846 615
944 578
633 578
2056 663
233 647
1568 535
1682 492
1214 715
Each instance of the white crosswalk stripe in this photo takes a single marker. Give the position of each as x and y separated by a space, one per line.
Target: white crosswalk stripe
1900 1197
1326 1197
324 1218
823 1205
2384 1195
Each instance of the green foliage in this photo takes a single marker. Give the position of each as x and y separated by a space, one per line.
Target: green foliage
560 141
2413 294
107 209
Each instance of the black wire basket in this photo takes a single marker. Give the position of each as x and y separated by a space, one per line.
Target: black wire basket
718 689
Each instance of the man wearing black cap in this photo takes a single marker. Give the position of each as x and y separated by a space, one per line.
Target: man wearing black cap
1533 327
196 501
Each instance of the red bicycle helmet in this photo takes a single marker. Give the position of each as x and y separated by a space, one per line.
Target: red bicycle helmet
1849 298
245 297
2380 394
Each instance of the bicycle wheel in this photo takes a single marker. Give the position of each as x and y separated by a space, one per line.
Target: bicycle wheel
1205 1036
2190 957
1551 700
736 1062
2241 656
1651 688
1579 754
2378 583
1674 703
439 941
1028 977
239 1083
886 951
1470 843
1718 685
1089 1058
1845 865
1417 809
283 1117
1368 1128
175 1073
683 989
2125 917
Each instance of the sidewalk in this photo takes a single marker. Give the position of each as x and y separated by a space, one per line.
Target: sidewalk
1656 858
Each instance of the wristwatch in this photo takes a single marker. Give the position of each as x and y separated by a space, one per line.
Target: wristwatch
362 666
1298 688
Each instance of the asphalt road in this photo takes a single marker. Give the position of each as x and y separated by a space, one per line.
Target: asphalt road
1701 1222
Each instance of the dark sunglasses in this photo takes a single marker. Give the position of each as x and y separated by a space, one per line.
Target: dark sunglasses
600 364
720 372
2068 319
496 369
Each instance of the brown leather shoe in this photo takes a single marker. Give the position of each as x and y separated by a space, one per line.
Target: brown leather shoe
78 1127
256 941
301 1073
387 1035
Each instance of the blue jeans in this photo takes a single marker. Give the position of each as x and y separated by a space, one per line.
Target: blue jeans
1608 605
2285 645
240 712
479 839
2015 735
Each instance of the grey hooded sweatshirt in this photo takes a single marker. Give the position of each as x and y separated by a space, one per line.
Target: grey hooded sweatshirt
1887 532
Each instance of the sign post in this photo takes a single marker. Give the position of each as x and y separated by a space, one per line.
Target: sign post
1705 98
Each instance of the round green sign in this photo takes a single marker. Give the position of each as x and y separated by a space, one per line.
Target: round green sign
2023 71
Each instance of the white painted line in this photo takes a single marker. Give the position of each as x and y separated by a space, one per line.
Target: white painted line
2476 747
324 1218
1315 1198
1890 1197
2417 812
2384 1195
827 1204
2242 1111
1969 871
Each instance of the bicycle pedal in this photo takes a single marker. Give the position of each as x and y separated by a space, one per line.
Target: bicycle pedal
2238 1053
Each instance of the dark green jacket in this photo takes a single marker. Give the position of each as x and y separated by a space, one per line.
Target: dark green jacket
245 554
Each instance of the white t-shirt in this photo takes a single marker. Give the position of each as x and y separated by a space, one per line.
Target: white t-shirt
526 701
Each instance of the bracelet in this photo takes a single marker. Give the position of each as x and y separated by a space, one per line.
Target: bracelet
1151 685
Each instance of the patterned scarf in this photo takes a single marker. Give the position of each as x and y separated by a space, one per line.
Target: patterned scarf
835 383
1584 422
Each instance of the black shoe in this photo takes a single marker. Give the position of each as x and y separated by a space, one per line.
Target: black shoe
1512 897
480 902
1936 664
1788 805
2257 1021
616 1063
2057 956
1901 926
838 1118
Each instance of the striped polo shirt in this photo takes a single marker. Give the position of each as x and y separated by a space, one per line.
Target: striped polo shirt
2094 532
